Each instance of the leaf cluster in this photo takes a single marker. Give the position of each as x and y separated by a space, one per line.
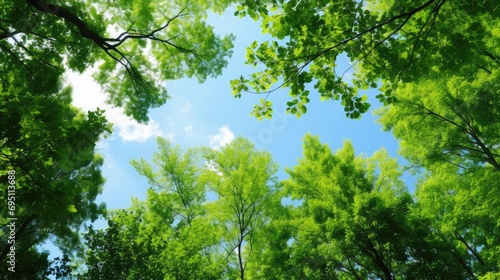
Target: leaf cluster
50 145
386 43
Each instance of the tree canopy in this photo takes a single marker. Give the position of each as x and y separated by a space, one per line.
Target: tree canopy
176 233
387 43
135 46
452 118
352 218
357 220
47 145
247 191
223 213
48 150
449 128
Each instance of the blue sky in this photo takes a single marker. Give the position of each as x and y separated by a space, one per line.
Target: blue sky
207 114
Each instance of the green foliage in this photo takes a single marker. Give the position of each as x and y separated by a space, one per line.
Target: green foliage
448 126
50 146
177 177
136 46
165 237
247 191
113 253
175 234
435 63
386 42
357 220
352 217
452 119
463 207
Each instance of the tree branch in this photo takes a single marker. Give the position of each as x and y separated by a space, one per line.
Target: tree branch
69 16
472 250
18 233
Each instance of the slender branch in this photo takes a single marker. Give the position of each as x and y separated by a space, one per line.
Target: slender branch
432 15
70 17
472 250
490 157
490 55
467 130
33 55
16 58
18 233
111 45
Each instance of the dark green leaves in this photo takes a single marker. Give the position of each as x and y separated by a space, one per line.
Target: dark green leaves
50 146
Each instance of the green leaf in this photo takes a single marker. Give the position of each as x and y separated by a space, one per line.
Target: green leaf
48 162
71 208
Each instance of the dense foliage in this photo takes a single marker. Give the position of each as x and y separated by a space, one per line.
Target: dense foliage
221 213
387 42
47 149
353 218
176 233
47 145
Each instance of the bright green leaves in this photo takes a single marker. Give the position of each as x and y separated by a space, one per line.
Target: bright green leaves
450 119
176 179
71 208
386 42
166 237
297 107
263 110
351 216
447 124
463 209
47 162
247 190
175 234
253 9
386 97
300 60
356 217
238 86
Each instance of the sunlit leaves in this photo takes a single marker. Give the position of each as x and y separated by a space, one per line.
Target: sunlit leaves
264 109
447 124
453 119
175 234
351 215
168 236
71 208
356 217
175 178
386 43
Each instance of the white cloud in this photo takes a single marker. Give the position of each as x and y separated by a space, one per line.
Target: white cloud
170 137
224 137
130 130
186 107
87 95
188 129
